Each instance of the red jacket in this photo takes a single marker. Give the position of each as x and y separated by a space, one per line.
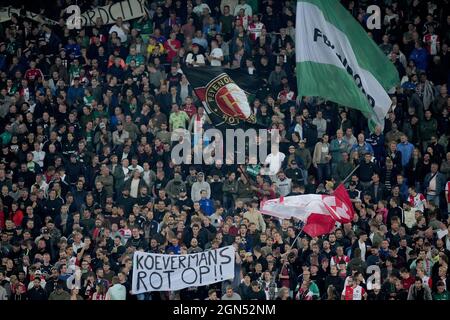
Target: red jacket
17 217
2 220
408 282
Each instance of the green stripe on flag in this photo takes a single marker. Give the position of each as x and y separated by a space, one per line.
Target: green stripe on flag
369 55
334 80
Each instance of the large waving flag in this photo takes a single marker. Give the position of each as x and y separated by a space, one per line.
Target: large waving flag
338 61
225 94
319 212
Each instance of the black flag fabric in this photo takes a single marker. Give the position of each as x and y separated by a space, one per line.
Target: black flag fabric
226 94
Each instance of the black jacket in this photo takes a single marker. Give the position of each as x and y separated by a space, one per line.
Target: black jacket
37 294
137 243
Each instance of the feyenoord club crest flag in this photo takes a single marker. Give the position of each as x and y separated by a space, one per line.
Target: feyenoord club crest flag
225 94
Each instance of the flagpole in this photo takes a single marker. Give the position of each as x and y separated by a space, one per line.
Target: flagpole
292 245
350 175
296 238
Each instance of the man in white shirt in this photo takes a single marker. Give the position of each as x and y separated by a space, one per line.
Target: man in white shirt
38 154
274 161
243 5
135 166
320 123
121 30
215 58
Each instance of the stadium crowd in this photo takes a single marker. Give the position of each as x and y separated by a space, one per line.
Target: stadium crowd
86 176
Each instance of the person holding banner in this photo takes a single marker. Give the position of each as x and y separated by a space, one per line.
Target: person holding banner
88 151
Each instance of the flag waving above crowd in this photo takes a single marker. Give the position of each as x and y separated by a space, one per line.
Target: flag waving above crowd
224 93
319 212
198 150
338 61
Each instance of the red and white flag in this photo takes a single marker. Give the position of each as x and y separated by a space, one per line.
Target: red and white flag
319 212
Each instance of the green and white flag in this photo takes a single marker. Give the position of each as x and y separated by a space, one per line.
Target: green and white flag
337 60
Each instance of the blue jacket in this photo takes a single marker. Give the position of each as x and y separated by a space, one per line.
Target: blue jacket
406 150
364 149
207 205
74 93
420 58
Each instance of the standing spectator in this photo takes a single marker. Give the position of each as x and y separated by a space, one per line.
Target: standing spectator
434 184
321 159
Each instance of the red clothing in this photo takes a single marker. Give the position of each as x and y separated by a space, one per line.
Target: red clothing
2 220
17 218
190 110
406 283
285 282
172 52
355 293
33 74
96 233
233 231
384 213
335 260
243 21
418 201
432 42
